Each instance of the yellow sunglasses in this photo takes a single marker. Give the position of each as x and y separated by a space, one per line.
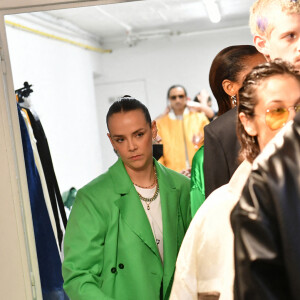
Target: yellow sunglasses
277 117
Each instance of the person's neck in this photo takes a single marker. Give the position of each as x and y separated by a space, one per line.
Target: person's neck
179 113
142 177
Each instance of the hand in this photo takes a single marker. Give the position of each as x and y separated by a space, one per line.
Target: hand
186 172
193 104
196 140
203 97
156 140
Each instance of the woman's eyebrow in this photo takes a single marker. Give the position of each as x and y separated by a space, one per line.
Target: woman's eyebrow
117 135
121 135
138 130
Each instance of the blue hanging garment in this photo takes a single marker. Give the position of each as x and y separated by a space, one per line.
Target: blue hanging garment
47 252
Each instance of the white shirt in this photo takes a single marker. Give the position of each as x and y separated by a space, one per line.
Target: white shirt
154 216
205 263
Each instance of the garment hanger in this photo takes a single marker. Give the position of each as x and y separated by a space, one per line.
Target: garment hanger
24 92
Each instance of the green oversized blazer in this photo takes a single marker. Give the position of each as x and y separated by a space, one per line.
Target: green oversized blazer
109 247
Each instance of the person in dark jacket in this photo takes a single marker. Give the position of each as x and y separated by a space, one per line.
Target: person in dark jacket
266 220
266 223
205 264
221 146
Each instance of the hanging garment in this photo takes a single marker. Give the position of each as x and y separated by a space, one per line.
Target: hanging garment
41 173
52 185
47 252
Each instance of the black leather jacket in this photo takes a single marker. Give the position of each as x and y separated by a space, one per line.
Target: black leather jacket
266 224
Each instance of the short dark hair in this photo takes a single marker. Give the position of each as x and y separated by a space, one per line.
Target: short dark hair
174 87
227 64
125 104
248 100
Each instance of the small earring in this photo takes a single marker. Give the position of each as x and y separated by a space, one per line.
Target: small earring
233 100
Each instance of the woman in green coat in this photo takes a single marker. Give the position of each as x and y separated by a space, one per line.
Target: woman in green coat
126 226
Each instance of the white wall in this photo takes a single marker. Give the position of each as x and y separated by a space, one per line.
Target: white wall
68 98
162 63
63 97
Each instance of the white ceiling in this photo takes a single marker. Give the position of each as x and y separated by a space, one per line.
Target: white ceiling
133 21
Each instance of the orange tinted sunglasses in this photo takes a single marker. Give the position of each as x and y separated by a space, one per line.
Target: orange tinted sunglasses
277 117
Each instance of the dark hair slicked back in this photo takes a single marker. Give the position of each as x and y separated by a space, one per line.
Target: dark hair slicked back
125 104
227 64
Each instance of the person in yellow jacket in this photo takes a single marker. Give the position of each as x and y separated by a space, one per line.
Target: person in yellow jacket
181 130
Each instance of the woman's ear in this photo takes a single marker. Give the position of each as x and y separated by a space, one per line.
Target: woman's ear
248 124
229 87
154 129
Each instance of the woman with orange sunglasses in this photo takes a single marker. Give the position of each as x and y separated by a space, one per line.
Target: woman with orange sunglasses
269 98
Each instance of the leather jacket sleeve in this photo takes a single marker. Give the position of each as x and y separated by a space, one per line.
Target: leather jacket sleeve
266 224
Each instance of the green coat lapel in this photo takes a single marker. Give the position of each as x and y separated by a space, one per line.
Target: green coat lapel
169 197
130 206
